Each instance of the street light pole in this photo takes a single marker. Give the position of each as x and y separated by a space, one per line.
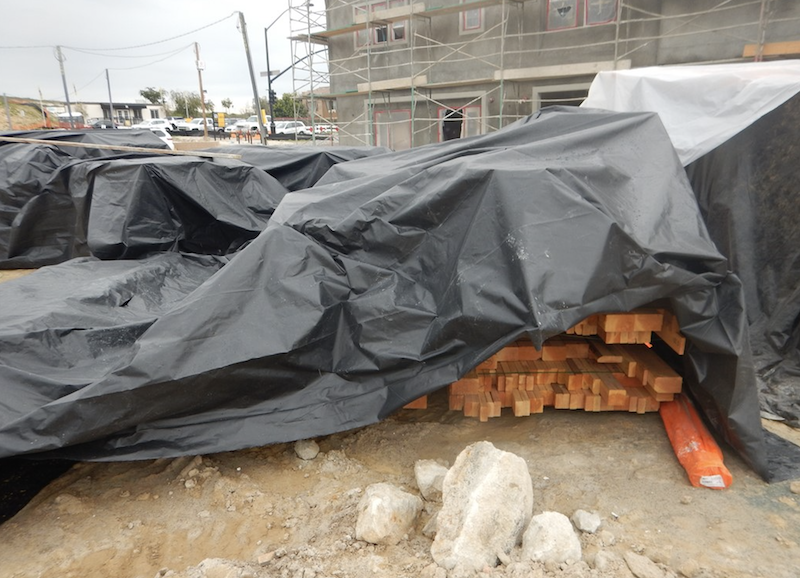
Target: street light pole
269 72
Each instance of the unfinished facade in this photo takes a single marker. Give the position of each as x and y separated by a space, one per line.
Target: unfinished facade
412 72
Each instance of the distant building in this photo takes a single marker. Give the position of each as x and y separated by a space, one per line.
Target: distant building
411 72
85 113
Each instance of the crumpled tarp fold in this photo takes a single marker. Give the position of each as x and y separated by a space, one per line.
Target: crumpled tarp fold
391 278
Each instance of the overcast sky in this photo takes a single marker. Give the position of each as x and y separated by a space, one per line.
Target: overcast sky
30 30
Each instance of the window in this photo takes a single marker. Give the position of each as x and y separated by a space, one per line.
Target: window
466 120
600 11
563 14
393 129
384 32
470 20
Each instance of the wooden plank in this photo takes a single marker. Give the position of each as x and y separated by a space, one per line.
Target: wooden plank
615 322
554 349
604 353
657 395
484 407
577 399
611 390
628 363
648 320
656 372
561 399
547 393
456 402
605 406
671 334
610 337
472 405
497 403
522 404
419 403
592 402
577 348
527 352
789 48
470 383
536 402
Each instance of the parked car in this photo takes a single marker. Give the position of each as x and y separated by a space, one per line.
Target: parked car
155 123
196 125
292 127
325 129
104 123
248 125
164 136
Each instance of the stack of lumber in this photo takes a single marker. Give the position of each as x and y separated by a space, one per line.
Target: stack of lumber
602 364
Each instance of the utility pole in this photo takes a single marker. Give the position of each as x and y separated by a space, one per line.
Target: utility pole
200 67
8 112
261 129
60 58
110 102
41 106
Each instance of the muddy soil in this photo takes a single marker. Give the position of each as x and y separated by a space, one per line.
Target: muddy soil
218 515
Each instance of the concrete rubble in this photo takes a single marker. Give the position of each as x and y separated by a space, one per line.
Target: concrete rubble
430 477
550 537
386 514
487 502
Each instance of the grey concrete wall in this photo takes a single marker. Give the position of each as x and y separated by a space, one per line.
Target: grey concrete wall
649 33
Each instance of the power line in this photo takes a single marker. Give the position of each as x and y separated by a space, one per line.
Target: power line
93 53
169 55
157 41
91 50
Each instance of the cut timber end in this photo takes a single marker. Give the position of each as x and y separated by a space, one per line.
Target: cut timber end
671 334
419 403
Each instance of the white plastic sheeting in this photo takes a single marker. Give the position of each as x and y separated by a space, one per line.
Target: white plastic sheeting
700 106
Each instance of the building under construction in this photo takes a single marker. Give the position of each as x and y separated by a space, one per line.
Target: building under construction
404 73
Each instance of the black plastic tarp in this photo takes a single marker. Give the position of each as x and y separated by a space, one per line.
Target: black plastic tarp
53 208
300 167
393 277
127 138
748 193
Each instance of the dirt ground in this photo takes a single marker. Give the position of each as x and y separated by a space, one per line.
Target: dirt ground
165 517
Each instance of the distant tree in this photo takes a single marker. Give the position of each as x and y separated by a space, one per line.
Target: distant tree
227 103
285 107
154 95
186 104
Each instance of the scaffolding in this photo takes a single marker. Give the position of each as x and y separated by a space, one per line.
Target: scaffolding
408 70
310 77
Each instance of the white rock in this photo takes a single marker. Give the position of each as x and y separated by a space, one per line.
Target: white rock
487 501
585 521
433 571
431 527
607 538
642 566
385 514
550 537
306 449
430 477
609 562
